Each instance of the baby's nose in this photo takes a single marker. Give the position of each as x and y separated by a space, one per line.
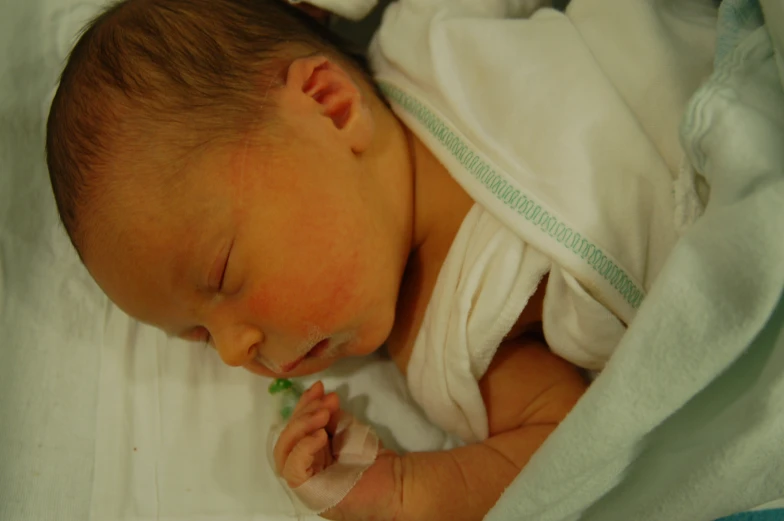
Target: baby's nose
237 345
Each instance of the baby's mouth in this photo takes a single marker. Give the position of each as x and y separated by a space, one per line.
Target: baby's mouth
314 351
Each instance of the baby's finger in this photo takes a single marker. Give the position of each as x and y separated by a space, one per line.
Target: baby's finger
296 430
298 467
314 392
331 402
307 410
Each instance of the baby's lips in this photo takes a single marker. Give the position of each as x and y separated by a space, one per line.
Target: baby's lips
291 365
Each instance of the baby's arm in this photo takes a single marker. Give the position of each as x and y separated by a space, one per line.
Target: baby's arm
527 391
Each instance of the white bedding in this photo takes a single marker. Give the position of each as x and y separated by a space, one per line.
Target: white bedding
51 313
103 418
182 437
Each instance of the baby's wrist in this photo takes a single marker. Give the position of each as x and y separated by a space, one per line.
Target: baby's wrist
395 465
378 495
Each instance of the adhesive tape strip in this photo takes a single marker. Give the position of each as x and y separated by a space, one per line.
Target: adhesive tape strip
355 447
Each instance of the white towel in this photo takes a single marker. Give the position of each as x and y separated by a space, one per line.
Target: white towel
484 285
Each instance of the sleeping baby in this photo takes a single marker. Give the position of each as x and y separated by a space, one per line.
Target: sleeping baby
491 203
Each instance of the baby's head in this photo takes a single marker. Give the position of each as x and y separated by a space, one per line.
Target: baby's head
226 173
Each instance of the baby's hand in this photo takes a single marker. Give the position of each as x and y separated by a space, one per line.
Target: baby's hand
304 448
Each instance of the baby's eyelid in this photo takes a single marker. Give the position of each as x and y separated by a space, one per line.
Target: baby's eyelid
223 273
224 268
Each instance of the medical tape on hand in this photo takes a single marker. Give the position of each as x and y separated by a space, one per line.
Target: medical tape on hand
354 448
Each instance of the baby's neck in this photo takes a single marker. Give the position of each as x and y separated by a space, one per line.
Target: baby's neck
440 203
439 208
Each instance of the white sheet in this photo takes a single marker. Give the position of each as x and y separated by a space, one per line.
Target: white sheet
51 313
182 437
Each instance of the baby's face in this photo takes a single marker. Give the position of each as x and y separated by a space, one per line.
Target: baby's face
281 257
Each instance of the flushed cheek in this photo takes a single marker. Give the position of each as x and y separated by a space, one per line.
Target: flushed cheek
296 304
336 301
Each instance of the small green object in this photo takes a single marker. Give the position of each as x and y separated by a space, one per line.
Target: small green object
286 411
280 384
289 395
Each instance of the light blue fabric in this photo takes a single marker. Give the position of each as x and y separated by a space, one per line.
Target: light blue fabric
737 18
760 515
686 422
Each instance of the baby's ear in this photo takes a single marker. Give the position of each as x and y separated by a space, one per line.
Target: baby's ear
338 95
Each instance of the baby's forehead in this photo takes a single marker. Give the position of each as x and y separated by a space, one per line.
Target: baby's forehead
185 192
161 168
139 208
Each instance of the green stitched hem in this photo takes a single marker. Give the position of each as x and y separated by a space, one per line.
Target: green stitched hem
523 204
